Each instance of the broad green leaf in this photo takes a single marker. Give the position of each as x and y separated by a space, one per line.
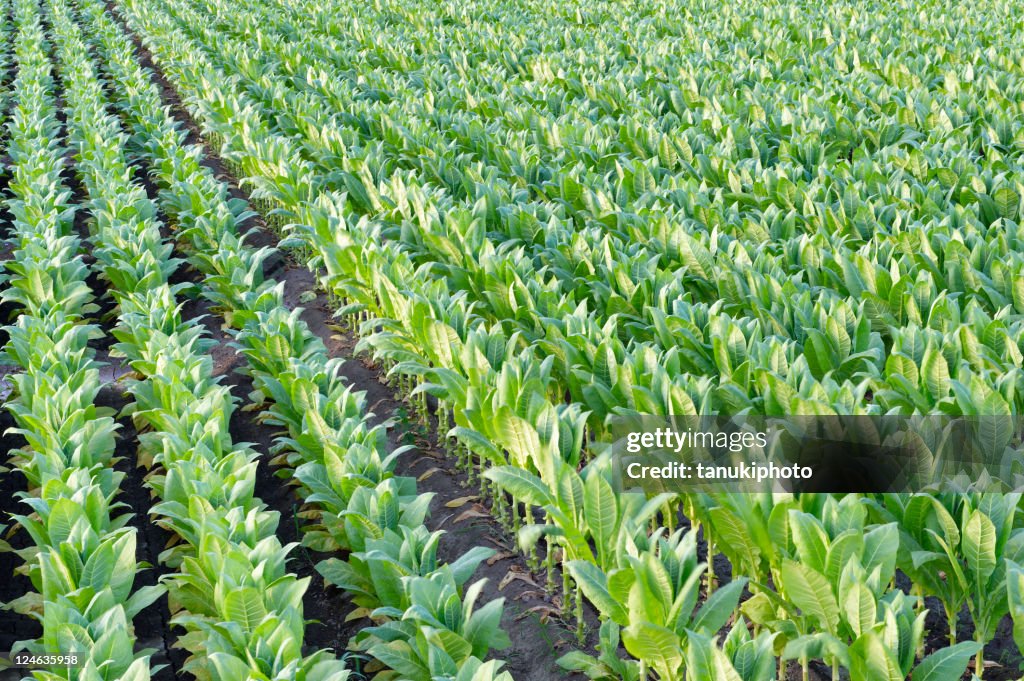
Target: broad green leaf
656 645
859 609
600 511
245 607
810 591
719 607
733 538
979 547
594 584
946 664
521 484
1007 202
870 659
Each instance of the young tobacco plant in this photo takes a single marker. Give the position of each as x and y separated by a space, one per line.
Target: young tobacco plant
653 596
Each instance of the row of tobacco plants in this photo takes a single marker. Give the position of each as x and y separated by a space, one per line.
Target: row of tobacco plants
81 558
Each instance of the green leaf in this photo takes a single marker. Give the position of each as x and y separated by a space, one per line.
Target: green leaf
848 544
400 656
717 609
228 666
871 660
521 484
935 373
667 153
143 598
245 607
1007 202
859 609
704 660
759 609
817 646
979 547
1015 594
63 515
818 353
810 539
517 436
594 584
810 591
478 444
733 537
881 545
98 569
696 256
657 646
600 511
946 664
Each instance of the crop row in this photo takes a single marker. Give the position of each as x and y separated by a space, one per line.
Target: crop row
920 313
82 561
6 44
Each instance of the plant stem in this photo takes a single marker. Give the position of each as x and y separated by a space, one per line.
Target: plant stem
499 509
516 522
532 561
566 591
670 519
549 562
581 636
711 567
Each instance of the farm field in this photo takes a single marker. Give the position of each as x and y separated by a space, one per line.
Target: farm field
321 318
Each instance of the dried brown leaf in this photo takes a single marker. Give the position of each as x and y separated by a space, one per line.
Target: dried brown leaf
545 612
517 573
529 594
500 555
471 513
426 474
461 501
